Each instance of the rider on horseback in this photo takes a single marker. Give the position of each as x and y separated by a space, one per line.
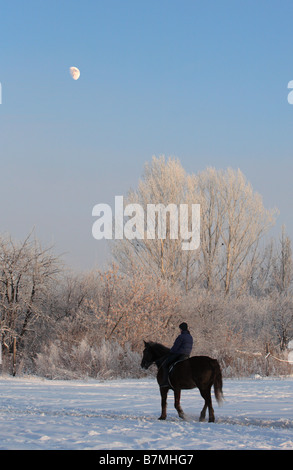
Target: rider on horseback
180 350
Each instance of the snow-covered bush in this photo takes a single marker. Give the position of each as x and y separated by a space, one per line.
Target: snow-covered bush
106 360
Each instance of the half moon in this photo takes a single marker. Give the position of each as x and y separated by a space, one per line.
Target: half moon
74 72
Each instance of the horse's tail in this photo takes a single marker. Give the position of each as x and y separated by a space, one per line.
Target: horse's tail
218 382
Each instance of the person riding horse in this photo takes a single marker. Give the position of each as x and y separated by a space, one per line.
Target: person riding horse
180 350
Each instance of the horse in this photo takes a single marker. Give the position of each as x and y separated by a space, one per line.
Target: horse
202 372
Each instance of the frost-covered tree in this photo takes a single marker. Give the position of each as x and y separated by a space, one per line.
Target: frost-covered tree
26 274
164 182
130 308
233 220
282 267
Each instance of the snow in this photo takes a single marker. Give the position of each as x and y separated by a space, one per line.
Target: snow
35 413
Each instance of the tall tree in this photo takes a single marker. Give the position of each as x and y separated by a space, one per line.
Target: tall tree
165 183
282 274
234 220
26 272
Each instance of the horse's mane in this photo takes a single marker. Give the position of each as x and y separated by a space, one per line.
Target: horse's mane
159 348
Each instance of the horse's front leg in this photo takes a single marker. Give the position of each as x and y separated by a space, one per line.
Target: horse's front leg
164 393
177 395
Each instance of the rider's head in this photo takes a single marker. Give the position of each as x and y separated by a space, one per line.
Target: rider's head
183 326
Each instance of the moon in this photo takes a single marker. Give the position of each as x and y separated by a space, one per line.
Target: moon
74 72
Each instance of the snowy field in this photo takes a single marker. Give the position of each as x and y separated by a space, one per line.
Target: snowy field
122 414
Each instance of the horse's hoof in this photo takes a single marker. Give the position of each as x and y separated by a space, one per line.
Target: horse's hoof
162 418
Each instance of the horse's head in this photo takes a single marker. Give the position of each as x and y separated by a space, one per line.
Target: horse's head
148 356
152 353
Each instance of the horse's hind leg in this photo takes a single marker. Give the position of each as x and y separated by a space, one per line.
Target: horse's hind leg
206 394
177 395
164 393
203 412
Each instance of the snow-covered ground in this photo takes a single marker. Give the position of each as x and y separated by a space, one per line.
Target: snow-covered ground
122 414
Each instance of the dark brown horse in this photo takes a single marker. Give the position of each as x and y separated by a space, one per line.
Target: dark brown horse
198 371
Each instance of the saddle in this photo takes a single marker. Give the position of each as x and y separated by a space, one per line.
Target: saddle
171 367
180 359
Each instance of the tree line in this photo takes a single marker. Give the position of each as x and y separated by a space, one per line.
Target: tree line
235 290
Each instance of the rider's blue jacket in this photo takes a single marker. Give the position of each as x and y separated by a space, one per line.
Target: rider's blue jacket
183 344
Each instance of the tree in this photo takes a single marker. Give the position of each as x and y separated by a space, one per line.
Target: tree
205 188
279 290
164 182
274 273
281 319
233 223
282 272
26 272
128 309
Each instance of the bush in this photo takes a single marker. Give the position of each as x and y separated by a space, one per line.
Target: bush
106 360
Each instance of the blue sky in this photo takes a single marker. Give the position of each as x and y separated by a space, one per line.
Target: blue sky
205 81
